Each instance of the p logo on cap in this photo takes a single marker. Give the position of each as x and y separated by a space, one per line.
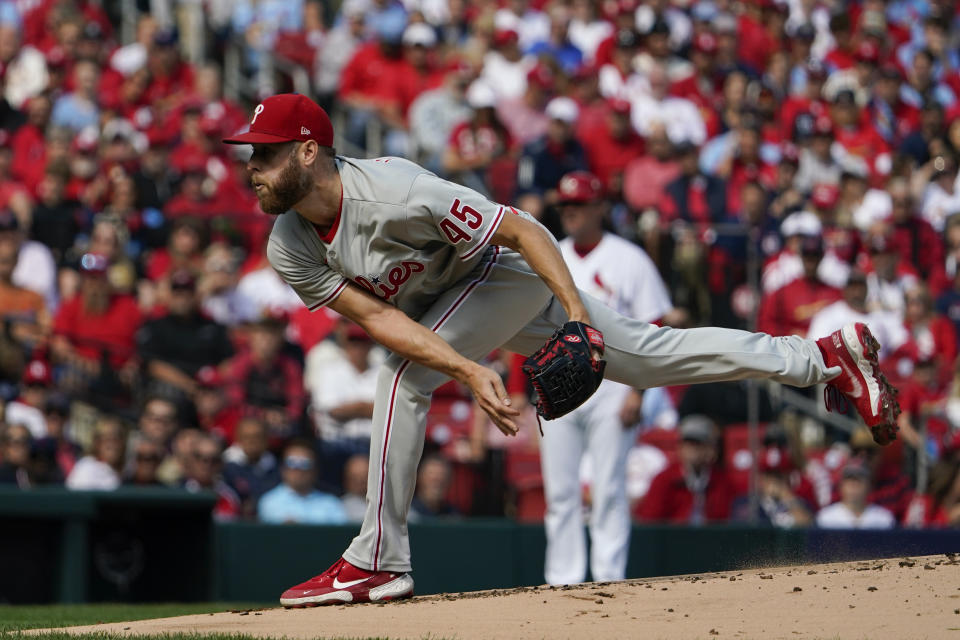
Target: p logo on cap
284 118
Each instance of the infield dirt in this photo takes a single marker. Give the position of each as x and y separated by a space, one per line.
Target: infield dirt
890 598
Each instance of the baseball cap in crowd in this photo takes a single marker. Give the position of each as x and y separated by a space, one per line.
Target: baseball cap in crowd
805 32
37 372
208 378
845 97
698 428
166 37
93 264
705 42
802 223
563 109
619 105
867 52
825 196
503 37
286 117
579 187
855 469
355 333
540 76
481 96
8 220
775 460
419 34
183 280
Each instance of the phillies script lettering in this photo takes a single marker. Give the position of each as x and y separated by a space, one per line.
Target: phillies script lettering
395 279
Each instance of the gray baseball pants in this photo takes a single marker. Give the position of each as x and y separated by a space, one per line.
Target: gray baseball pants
502 303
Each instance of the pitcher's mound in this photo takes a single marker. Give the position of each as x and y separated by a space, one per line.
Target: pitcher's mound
894 598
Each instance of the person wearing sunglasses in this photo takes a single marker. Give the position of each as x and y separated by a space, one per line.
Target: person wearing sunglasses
296 499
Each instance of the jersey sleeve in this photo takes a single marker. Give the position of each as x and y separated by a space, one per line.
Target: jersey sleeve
314 281
460 216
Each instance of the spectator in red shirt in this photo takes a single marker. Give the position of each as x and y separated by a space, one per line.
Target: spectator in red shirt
170 77
97 327
183 251
932 336
760 32
788 310
693 196
913 237
13 193
702 87
864 148
644 178
478 143
29 144
365 81
267 382
611 146
417 72
693 490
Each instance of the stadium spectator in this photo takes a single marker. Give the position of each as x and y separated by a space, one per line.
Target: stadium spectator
790 309
146 456
890 277
296 500
79 108
15 461
547 159
644 178
936 185
177 461
341 378
184 250
435 114
251 470
853 511
779 500
914 237
24 313
100 469
480 143
611 144
204 473
267 381
217 287
215 414
337 49
94 332
175 346
694 489
679 116
931 335
433 482
28 408
36 269
887 327
693 196
354 496
57 450
56 221
523 115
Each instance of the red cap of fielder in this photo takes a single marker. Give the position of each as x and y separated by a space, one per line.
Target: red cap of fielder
286 117
579 187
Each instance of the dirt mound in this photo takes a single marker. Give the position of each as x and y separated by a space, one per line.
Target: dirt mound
894 598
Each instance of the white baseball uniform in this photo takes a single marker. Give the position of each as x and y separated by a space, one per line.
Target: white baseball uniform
422 244
622 276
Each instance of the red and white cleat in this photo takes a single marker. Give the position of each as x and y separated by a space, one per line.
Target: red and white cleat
854 349
344 583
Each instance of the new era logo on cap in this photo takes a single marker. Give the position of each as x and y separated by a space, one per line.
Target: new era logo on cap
286 117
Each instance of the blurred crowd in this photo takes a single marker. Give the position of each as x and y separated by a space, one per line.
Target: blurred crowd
789 166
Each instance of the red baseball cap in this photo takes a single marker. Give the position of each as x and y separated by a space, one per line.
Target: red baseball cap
580 187
286 117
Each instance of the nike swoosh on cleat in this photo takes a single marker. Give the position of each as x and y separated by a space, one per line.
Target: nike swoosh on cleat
349 583
857 390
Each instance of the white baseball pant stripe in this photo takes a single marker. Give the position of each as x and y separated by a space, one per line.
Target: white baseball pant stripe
514 309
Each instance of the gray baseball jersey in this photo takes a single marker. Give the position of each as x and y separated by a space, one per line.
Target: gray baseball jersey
403 234
423 245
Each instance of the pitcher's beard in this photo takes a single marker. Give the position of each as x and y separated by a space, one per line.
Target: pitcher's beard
292 185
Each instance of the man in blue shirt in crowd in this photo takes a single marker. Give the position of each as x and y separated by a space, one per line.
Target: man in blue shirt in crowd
296 500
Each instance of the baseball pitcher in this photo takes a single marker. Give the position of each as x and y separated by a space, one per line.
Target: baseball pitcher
441 276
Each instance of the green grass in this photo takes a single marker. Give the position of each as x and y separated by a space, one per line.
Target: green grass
14 619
